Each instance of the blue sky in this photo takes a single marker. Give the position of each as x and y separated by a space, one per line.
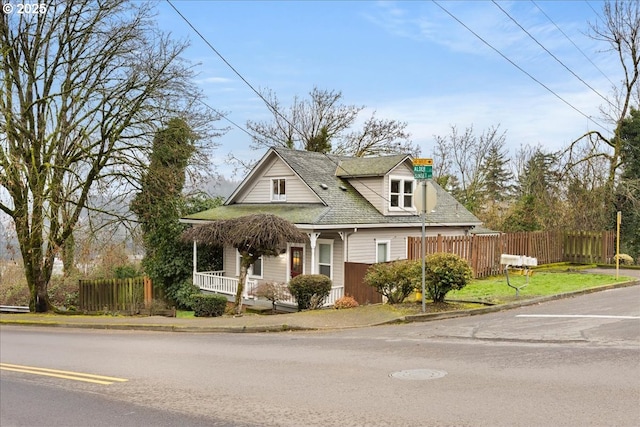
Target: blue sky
407 60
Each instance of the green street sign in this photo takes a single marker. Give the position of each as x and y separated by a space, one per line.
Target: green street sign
422 172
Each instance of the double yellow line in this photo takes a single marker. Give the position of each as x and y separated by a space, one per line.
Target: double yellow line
69 375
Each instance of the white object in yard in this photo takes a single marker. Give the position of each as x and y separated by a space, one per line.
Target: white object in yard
518 261
507 259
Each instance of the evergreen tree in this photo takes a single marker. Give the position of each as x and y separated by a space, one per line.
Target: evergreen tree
629 187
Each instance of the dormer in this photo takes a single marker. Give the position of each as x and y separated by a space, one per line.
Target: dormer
386 182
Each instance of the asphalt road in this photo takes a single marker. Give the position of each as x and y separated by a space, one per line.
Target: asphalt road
571 362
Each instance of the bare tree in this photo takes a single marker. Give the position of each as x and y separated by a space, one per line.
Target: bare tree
619 28
321 123
84 86
465 155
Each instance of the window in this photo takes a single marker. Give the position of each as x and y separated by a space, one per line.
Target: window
401 193
325 257
278 190
255 269
383 250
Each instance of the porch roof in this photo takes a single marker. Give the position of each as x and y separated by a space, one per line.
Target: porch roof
295 213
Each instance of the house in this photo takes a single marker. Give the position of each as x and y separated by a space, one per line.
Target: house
354 210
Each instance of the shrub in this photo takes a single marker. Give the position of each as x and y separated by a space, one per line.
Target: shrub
208 305
310 290
64 292
183 295
445 272
395 280
624 259
272 291
345 302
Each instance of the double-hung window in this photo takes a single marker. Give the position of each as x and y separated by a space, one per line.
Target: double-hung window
278 190
325 257
401 193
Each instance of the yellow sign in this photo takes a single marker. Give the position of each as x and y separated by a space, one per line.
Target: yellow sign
422 162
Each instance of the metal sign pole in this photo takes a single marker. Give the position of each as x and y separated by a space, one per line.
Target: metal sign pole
423 244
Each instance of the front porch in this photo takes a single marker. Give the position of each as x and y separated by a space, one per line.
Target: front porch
217 282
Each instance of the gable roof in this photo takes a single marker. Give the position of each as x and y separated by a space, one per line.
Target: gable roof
368 166
339 203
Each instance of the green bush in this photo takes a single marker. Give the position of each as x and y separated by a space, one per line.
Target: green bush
183 294
310 290
395 280
208 305
445 272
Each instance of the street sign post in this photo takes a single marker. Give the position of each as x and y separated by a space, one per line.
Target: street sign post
423 170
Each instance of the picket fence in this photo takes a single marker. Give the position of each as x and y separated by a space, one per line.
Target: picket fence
483 251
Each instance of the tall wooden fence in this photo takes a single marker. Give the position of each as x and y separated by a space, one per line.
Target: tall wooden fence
354 284
483 251
115 295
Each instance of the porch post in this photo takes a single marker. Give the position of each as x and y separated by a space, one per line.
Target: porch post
313 237
195 257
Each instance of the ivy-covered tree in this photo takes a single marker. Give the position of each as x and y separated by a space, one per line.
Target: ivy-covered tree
159 206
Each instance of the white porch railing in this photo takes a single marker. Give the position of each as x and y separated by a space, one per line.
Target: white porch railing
215 281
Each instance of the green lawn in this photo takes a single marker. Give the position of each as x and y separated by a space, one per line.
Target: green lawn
495 289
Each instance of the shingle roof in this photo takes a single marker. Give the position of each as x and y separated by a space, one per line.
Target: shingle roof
368 166
343 203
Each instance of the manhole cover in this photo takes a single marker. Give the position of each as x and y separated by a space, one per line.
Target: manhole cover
418 374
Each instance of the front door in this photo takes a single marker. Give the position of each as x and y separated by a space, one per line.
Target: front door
296 261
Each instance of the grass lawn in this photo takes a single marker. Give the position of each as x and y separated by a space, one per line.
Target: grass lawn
495 289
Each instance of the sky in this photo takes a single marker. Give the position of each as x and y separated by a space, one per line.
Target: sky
406 60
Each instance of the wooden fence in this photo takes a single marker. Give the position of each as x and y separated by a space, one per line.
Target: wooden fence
483 251
115 295
354 284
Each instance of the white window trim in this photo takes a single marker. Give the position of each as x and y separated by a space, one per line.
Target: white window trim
317 261
281 197
401 206
388 254
250 272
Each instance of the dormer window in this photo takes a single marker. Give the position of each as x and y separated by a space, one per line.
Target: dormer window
401 193
278 190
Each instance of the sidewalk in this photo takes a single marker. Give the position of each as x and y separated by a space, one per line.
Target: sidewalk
364 316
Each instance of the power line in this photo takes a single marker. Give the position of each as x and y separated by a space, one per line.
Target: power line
572 42
517 66
552 55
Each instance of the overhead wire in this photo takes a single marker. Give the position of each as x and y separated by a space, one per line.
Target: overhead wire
519 67
271 107
572 42
552 55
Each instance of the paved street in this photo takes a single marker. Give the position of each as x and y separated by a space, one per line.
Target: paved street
571 362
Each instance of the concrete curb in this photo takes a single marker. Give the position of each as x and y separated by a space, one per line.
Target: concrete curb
288 328
517 304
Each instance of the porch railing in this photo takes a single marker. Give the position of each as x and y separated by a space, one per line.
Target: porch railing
215 281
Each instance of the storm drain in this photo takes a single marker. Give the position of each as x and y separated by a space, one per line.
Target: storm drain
418 374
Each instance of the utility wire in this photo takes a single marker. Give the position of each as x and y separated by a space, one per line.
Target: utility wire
517 66
271 107
552 55
572 42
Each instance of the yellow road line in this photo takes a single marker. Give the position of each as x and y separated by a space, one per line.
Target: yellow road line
76 376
